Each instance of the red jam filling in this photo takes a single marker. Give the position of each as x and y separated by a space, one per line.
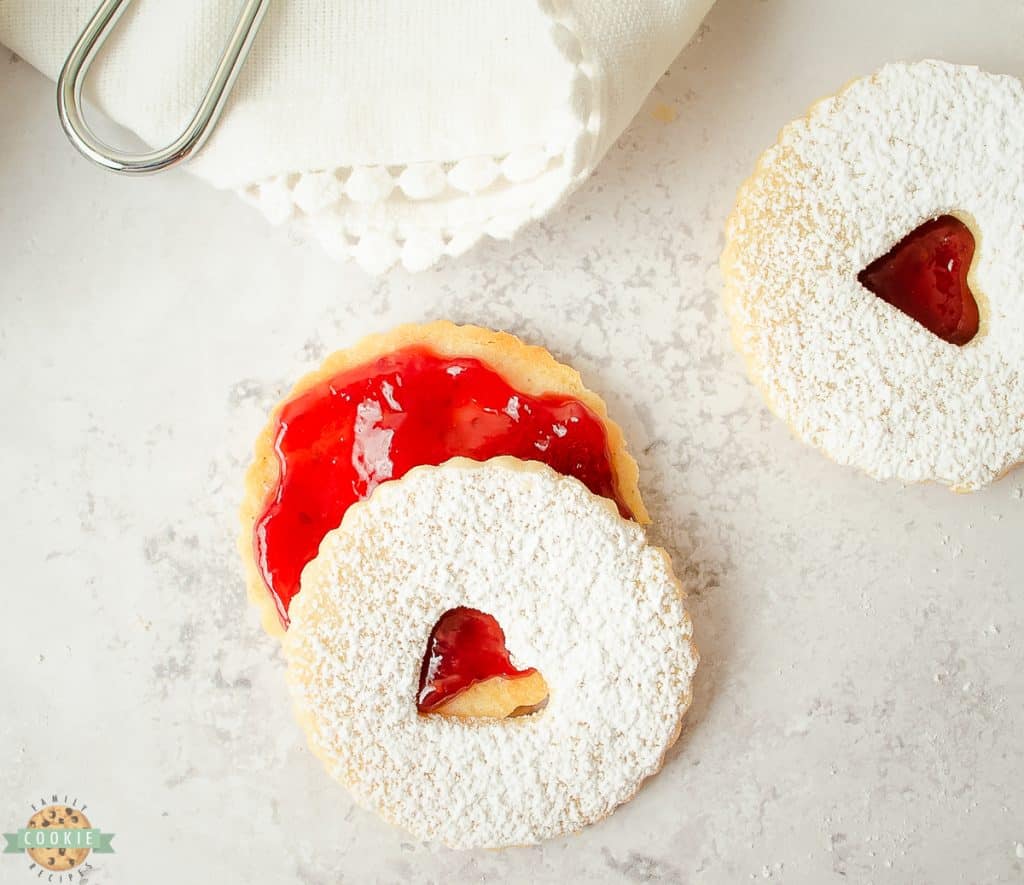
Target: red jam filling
465 647
339 440
925 276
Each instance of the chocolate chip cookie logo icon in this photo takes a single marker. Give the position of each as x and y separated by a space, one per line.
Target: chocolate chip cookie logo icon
58 839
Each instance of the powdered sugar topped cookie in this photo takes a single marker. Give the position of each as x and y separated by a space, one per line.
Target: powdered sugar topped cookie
580 598
874 274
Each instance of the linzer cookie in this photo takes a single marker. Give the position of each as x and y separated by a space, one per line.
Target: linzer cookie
419 394
874 272
514 579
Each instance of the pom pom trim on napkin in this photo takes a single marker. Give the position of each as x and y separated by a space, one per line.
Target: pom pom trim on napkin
482 195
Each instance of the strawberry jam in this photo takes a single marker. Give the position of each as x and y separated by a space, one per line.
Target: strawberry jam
925 276
337 441
465 647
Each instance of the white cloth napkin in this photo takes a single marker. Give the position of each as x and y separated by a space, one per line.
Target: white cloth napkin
391 130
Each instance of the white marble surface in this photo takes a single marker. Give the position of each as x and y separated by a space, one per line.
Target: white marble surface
859 710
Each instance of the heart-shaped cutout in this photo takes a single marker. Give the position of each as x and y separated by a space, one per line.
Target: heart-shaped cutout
925 276
467 671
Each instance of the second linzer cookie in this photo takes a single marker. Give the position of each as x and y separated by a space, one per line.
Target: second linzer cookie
874 272
404 678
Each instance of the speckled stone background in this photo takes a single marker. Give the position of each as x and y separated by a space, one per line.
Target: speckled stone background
859 712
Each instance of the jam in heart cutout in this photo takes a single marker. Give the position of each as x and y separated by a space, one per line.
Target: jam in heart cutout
925 276
467 671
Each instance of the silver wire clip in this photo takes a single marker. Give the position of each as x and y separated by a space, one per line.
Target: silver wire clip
199 129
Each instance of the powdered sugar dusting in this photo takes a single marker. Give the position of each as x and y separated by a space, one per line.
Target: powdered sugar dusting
851 374
579 595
